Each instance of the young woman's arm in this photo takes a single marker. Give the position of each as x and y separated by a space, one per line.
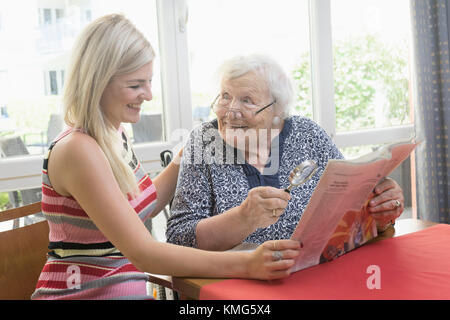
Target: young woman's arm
79 168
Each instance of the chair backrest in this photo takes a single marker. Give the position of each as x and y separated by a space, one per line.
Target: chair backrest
55 126
13 146
22 254
148 128
31 195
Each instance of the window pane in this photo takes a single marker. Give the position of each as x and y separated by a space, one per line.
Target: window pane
53 83
47 16
371 41
39 37
219 29
356 152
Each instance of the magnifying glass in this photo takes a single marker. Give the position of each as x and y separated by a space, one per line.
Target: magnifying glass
301 173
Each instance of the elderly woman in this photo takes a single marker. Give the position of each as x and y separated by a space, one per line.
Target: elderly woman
234 168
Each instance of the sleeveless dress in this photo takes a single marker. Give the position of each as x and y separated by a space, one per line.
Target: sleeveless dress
82 263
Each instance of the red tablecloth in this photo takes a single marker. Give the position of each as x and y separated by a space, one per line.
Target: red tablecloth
413 266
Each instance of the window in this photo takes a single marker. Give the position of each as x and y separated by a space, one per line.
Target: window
371 66
47 16
53 83
53 39
39 39
88 15
349 60
349 74
59 14
371 63
62 73
219 29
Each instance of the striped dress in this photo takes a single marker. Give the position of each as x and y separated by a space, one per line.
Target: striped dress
82 263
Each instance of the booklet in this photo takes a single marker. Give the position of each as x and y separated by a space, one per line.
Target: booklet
336 219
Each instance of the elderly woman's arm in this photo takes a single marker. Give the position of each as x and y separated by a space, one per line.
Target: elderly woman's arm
192 203
223 231
192 222
387 204
226 230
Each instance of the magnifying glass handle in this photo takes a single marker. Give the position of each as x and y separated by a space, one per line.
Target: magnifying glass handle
288 189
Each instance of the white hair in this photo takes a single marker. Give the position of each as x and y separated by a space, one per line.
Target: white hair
279 83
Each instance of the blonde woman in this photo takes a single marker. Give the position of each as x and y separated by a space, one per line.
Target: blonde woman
96 195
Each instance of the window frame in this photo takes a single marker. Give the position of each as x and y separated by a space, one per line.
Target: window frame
25 172
17 173
322 82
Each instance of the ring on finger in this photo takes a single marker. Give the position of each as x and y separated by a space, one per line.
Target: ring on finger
274 213
277 255
397 204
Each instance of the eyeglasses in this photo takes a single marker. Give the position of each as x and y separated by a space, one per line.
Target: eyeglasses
221 107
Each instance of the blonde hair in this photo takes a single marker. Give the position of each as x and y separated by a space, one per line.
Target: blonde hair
109 46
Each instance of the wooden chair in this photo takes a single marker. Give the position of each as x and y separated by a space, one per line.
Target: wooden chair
14 146
23 252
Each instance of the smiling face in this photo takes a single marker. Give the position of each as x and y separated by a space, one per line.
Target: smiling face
121 101
248 89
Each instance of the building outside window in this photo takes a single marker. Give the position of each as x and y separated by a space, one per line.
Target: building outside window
53 83
47 16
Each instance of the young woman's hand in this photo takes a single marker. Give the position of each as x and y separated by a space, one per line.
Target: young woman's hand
273 259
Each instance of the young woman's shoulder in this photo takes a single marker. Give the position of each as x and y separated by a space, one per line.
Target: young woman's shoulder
74 156
77 146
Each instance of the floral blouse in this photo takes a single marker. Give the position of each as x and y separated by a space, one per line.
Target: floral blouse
214 178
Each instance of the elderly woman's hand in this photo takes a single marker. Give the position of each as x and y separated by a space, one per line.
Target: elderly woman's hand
387 203
263 206
273 259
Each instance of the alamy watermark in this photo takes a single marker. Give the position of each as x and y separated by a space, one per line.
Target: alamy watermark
238 146
374 280
74 279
